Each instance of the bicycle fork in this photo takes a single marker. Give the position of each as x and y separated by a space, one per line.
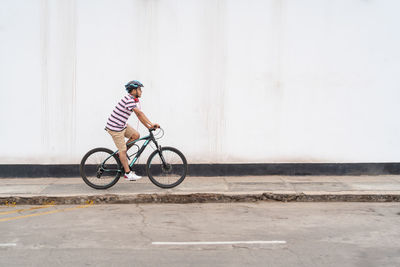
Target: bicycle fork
164 163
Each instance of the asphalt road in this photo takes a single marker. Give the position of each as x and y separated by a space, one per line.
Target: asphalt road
231 234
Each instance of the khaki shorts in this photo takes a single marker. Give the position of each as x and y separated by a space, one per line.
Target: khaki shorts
119 137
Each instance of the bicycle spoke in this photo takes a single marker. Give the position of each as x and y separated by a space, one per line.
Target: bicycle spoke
99 169
168 175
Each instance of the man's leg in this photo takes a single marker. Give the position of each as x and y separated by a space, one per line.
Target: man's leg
124 161
132 134
119 140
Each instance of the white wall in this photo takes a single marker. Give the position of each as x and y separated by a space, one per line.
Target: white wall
231 81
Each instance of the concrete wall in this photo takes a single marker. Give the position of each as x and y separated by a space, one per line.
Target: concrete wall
230 81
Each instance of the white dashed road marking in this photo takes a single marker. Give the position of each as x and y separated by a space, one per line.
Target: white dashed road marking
220 242
8 244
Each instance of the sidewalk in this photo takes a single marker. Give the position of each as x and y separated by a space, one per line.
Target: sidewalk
37 191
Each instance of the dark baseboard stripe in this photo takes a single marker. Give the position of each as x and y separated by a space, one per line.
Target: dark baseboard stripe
36 171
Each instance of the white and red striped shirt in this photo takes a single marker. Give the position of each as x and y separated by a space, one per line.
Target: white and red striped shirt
119 117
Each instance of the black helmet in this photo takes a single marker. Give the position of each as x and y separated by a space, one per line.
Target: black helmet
133 85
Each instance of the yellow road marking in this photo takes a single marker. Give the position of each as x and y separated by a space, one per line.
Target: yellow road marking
45 213
8 204
19 210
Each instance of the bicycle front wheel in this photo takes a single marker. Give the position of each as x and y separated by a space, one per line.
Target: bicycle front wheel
169 172
100 169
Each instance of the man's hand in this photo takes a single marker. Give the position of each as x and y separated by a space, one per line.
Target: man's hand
155 126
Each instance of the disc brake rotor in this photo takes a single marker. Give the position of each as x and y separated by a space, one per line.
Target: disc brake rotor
167 168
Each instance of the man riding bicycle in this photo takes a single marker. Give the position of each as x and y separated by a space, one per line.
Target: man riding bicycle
119 129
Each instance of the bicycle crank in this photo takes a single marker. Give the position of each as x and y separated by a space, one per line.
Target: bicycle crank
99 173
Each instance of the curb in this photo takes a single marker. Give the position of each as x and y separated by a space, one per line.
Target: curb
197 198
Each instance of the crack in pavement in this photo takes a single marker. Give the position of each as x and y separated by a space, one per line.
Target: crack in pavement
144 223
227 184
286 183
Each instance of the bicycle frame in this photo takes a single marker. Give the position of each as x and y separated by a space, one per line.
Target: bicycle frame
149 138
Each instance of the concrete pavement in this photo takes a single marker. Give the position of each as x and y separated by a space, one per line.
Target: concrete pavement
384 188
210 234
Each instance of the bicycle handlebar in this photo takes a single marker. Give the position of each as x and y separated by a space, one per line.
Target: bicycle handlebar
157 135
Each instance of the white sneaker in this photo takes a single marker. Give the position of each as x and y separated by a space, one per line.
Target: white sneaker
131 176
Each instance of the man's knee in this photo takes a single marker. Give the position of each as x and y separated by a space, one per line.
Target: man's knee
135 136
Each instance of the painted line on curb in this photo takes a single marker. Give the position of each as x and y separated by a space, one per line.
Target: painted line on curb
220 242
45 213
19 210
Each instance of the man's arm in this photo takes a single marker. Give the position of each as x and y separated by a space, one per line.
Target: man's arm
144 120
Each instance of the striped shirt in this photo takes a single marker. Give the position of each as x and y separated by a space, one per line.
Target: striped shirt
117 121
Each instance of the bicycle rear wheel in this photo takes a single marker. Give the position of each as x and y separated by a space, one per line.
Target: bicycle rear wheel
172 173
100 169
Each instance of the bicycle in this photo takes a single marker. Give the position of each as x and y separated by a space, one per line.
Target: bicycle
166 167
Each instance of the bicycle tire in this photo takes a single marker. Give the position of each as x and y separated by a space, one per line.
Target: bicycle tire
85 167
152 172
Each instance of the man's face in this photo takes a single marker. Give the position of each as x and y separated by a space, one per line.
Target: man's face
138 92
